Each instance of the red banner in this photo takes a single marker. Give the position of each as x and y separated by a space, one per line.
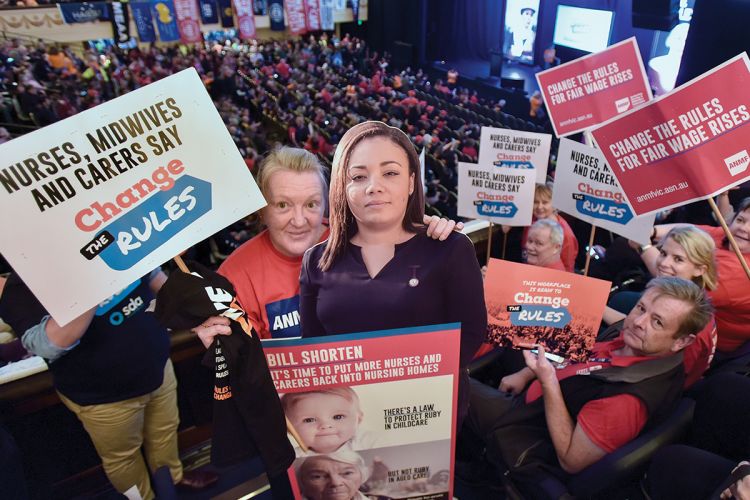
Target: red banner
295 16
312 15
687 145
245 18
594 88
188 20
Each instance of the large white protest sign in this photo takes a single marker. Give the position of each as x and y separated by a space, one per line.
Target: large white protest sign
502 195
586 189
504 147
90 204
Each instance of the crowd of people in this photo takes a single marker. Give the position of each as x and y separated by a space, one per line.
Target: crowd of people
337 103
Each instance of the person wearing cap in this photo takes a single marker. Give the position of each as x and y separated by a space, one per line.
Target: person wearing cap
520 34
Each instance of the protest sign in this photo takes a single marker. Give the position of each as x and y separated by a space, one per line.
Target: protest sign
504 195
394 411
687 145
504 147
594 88
586 189
529 305
90 204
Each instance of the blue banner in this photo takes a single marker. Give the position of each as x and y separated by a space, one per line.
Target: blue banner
260 7
166 22
144 23
604 209
496 208
155 221
225 12
541 316
209 14
83 12
276 14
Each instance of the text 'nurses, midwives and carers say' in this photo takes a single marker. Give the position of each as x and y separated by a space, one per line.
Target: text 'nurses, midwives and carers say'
685 146
113 190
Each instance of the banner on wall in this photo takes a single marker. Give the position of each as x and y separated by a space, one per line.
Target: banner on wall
504 147
397 409
260 7
586 189
209 13
111 193
529 305
594 88
295 16
326 15
688 145
340 4
83 12
120 22
163 12
226 14
355 10
499 194
245 18
276 14
188 21
312 15
143 21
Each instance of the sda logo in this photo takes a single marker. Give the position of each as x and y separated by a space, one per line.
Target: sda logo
737 163
496 208
604 209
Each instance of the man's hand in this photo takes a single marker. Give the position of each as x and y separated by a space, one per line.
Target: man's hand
516 382
209 329
440 228
739 490
540 365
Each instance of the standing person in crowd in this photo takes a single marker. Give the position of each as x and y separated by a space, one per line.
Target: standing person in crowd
114 373
378 269
685 252
265 271
731 298
543 210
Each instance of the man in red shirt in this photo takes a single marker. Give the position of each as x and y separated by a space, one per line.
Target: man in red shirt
544 244
571 417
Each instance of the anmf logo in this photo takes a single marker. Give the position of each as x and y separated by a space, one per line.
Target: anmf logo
737 163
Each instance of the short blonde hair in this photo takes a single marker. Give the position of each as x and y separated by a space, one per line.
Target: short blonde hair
701 310
543 190
294 160
700 250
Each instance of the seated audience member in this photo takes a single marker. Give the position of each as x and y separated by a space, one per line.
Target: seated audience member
543 210
265 270
731 298
707 466
569 418
543 245
688 253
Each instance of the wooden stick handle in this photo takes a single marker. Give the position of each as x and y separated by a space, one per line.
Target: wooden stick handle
293 432
489 243
505 243
181 264
588 251
732 241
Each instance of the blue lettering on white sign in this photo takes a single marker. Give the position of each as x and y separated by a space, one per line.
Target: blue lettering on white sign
496 208
604 209
156 221
541 316
524 165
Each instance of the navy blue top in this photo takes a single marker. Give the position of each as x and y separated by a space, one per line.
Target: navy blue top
346 300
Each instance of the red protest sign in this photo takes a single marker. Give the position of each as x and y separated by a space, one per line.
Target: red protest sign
594 88
688 145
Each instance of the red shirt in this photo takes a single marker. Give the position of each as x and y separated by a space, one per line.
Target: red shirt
556 264
569 250
732 296
609 422
699 354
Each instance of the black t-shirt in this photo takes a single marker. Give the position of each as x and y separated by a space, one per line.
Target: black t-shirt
121 355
